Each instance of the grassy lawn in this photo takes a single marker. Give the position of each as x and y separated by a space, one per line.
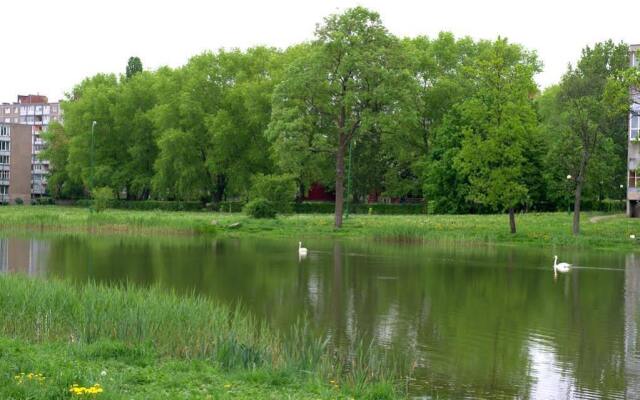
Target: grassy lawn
533 228
148 344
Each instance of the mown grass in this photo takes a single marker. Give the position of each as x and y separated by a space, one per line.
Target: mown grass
148 343
533 228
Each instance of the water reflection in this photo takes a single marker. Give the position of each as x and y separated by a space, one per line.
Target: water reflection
479 321
27 256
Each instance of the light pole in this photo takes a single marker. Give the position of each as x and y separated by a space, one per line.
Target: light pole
569 197
93 126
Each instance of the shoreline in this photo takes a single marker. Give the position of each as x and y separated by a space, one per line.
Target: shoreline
537 229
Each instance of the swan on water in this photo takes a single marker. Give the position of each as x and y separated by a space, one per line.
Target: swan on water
562 267
301 250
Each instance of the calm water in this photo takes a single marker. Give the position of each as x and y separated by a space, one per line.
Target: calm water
482 322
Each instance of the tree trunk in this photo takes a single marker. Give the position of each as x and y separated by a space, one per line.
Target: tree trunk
576 207
219 188
512 220
340 179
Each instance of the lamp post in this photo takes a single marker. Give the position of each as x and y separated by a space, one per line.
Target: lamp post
93 126
569 197
623 195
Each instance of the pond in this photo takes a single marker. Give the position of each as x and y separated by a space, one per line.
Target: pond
480 321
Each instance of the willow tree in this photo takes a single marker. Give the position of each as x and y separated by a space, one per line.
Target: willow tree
339 90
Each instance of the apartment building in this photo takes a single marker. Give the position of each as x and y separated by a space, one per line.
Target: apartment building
633 161
15 163
37 112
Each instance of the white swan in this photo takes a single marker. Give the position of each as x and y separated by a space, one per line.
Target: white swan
301 250
562 267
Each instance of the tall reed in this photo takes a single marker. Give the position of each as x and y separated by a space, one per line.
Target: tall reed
191 327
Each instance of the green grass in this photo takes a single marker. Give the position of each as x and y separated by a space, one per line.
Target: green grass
154 344
533 228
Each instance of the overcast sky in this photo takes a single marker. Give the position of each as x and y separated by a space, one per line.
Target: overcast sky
49 46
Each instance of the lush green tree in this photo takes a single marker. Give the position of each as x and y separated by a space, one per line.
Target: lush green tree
179 173
93 100
498 123
435 66
238 145
133 120
134 66
60 184
590 127
190 95
339 91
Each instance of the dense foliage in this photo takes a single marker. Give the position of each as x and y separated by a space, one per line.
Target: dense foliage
260 208
457 122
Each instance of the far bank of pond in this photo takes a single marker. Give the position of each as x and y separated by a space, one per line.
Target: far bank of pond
554 229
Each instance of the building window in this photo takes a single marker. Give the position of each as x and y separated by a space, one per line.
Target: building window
4 145
4 130
4 175
634 126
4 189
4 159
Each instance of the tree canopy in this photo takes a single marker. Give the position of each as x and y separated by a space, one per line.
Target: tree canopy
457 123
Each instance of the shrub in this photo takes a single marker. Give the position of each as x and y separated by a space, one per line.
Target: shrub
147 205
280 190
101 198
18 201
43 201
260 208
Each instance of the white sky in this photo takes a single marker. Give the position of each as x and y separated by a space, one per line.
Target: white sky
49 46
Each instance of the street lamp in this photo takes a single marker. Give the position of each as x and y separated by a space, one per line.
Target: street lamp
569 197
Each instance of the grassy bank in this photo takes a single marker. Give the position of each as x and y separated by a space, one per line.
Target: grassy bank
146 343
534 228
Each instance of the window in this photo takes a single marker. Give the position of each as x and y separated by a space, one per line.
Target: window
4 175
634 125
4 145
4 159
4 189
4 130
7 110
